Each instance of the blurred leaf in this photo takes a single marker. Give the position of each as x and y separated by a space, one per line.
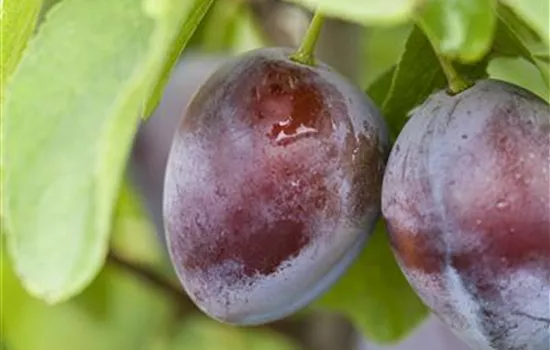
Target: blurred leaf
507 42
520 72
375 294
383 47
200 333
380 88
515 38
116 312
220 24
460 29
134 235
47 5
71 111
18 20
229 27
248 34
365 11
417 76
535 13
189 18
134 238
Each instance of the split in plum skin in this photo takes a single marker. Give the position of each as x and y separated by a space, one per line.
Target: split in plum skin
466 201
272 186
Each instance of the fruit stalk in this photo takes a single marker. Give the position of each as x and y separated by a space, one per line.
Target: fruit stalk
304 54
456 83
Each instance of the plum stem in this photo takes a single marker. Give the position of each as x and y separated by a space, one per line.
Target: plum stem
456 82
305 53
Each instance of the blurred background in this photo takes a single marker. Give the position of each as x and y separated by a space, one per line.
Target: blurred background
135 302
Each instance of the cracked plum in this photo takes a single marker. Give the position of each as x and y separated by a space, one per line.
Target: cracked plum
272 187
466 201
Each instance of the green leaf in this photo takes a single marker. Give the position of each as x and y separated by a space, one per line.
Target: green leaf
195 11
248 34
460 29
375 295
381 87
520 72
219 26
71 111
369 12
134 237
118 311
534 12
229 28
382 48
417 76
18 20
515 38
200 333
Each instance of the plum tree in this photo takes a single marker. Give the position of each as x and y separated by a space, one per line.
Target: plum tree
466 201
272 185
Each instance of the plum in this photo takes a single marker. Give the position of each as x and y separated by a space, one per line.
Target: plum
272 186
466 202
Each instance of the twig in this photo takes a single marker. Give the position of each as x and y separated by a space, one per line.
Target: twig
153 278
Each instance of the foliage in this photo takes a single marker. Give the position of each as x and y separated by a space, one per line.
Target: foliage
18 22
377 298
80 143
73 91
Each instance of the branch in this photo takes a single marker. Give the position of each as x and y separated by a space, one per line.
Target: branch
152 277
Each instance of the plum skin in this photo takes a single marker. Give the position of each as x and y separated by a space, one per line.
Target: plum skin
466 202
272 186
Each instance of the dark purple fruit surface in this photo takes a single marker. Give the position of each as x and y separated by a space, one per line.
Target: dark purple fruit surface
272 186
466 200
